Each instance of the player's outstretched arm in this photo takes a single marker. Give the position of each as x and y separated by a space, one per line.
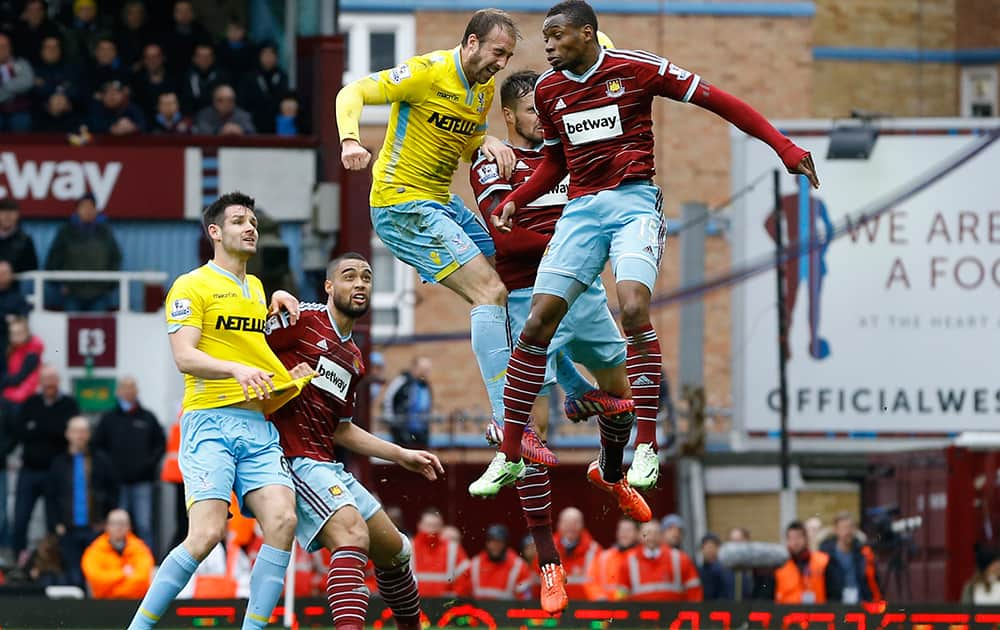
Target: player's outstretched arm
357 440
796 159
190 360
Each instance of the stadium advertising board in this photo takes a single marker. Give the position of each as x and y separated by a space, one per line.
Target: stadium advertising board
895 322
127 183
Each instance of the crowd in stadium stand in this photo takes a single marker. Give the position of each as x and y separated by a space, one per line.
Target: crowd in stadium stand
70 68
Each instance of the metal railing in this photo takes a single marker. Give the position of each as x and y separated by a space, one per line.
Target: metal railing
37 280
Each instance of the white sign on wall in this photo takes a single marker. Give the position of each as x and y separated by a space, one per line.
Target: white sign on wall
895 326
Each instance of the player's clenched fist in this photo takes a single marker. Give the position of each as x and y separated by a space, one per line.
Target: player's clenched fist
505 218
354 156
255 383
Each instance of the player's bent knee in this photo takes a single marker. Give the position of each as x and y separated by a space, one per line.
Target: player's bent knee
635 314
202 538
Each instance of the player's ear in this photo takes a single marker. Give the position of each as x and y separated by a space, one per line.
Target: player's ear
213 231
508 115
328 285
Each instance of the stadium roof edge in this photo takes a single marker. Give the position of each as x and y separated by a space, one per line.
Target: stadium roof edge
737 8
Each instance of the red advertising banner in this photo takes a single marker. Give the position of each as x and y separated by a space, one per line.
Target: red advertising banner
127 182
94 337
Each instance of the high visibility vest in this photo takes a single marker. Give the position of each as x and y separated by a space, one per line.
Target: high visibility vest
870 575
792 586
439 566
577 564
498 580
605 581
669 577
220 586
171 472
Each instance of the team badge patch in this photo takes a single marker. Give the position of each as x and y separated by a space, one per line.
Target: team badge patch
460 243
614 88
336 491
488 173
399 73
180 309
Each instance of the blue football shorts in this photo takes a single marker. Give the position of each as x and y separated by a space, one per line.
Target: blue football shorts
229 449
588 333
322 488
624 224
433 238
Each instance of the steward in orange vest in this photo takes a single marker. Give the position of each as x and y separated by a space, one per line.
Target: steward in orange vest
605 582
578 552
654 571
440 566
803 579
117 565
497 572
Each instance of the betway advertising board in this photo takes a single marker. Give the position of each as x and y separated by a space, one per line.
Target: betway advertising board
895 324
129 183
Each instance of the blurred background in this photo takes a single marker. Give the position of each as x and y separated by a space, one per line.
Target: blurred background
869 306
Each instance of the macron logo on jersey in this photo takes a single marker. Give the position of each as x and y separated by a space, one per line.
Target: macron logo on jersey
592 125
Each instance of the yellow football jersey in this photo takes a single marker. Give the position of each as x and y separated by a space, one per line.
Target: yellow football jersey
436 118
231 315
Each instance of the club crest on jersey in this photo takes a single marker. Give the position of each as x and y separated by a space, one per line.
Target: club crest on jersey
460 243
614 88
336 491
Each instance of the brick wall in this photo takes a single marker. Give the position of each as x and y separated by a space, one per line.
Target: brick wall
768 62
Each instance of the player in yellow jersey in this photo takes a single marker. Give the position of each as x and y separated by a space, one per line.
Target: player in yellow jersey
439 106
216 316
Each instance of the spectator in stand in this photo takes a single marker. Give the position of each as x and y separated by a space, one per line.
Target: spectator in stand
12 302
86 27
151 80
169 118
223 118
45 565
452 534
82 490
816 531
57 115
604 582
132 438
33 29
54 74
16 80
375 376
577 549
16 246
261 91
40 427
984 586
673 531
114 113
803 579
497 572
106 67
24 363
655 571
716 580
201 79
440 566
287 122
133 34
182 37
118 564
86 243
852 577
236 53
408 403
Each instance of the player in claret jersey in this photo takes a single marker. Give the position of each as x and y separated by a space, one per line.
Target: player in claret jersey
595 107
334 510
588 334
